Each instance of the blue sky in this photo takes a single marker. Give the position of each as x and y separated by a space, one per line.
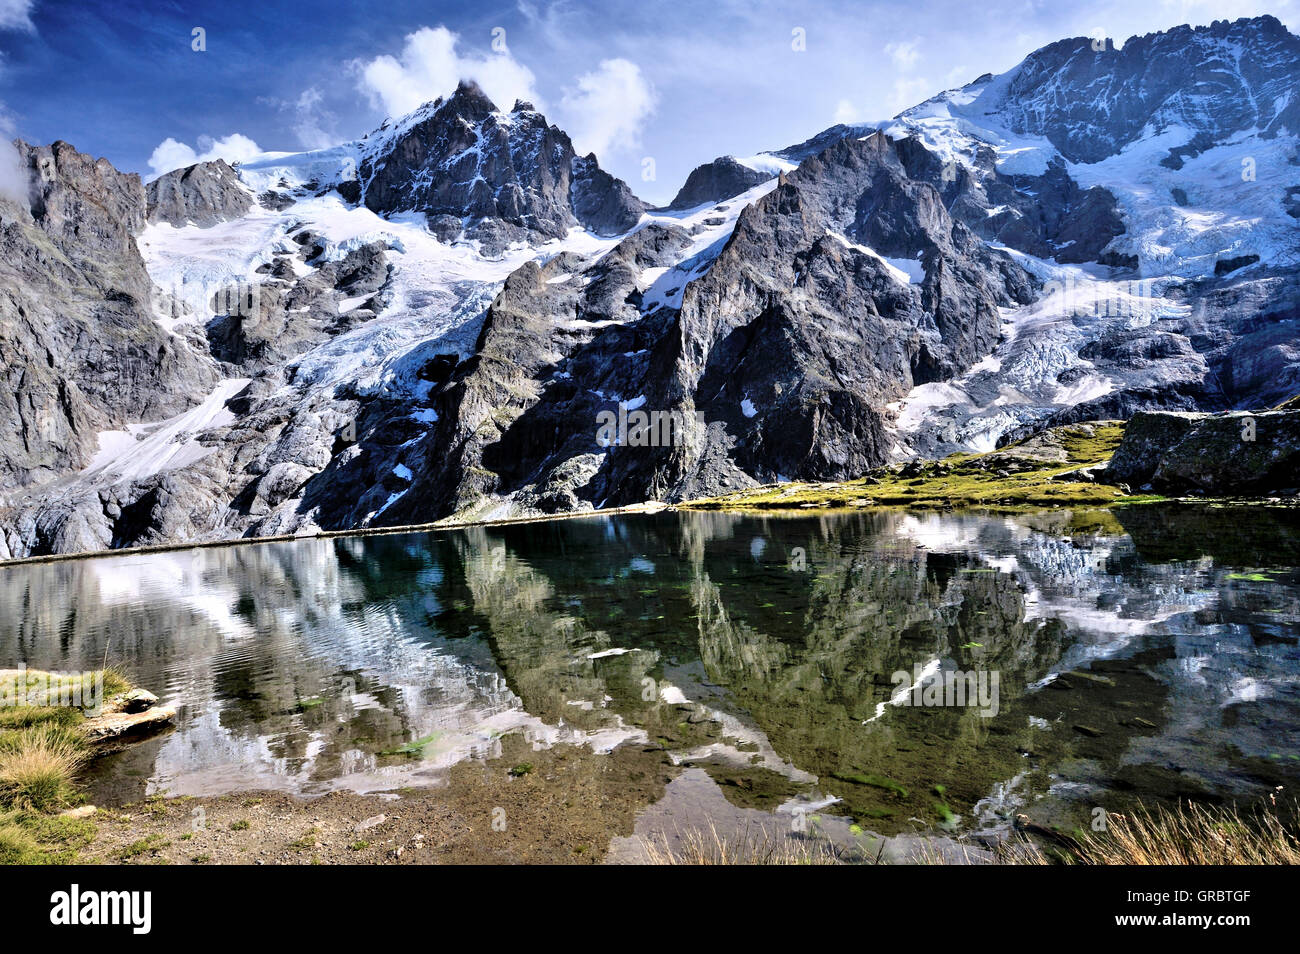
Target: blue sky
677 82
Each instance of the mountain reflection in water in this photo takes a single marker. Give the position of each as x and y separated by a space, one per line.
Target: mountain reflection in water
1147 654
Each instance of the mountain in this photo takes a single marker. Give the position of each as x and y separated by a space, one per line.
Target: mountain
201 195
81 350
724 178
514 175
1214 82
1172 163
458 316
777 360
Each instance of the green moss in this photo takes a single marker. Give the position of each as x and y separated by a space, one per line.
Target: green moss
415 747
145 846
1017 477
875 781
307 842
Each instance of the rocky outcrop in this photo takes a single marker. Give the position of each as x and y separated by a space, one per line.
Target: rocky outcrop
513 175
1047 215
601 202
779 360
723 178
125 719
823 141
202 195
1220 455
82 350
262 324
1089 104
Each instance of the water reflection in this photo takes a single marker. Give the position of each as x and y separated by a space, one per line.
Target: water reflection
1152 654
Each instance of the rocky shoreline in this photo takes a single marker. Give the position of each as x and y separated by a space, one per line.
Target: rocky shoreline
555 806
1156 456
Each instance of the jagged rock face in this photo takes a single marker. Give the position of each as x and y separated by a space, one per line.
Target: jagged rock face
82 350
261 325
515 174
386 378
818 336
1234 345
789 346
601 202
1049 215
504 412
1177 182
723 178
1089 104
202 195
822 141
1238 454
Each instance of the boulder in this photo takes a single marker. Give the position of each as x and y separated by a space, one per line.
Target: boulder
1241 453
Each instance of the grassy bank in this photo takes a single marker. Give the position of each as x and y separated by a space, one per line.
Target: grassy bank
1054 468
42 748
1190 834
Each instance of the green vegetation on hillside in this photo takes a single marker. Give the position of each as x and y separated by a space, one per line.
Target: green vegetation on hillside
42 747
1053 468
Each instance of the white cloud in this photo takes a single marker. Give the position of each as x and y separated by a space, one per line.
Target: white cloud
904 55
16 15
171 154
605 111
429 66
848 113
910 92
312 123
14 180
310 120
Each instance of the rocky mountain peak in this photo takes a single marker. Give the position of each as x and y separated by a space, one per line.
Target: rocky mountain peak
203 194
723 178
496 177
1090 101
81 349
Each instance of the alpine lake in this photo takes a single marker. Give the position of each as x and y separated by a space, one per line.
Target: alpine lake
877 678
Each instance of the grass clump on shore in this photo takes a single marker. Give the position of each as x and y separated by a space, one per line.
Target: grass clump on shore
1195 835
1053 468
1189 834
42 748
37 766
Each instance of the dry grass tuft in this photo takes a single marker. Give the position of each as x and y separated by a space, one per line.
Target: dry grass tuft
761 848
1190 835
1195 835
37 767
